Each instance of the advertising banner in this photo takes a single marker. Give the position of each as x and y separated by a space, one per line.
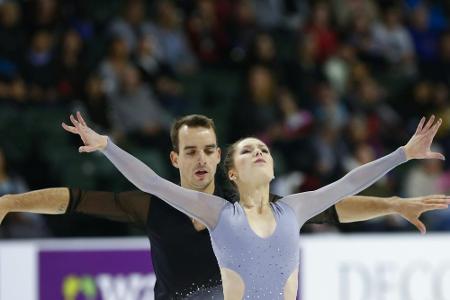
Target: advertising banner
96 275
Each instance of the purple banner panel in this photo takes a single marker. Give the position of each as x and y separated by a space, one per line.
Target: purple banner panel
96 275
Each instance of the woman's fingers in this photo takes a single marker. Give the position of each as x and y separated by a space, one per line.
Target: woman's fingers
70 129
435 155
419 127
80 119
429 123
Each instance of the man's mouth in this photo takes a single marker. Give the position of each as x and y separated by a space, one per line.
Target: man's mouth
201 172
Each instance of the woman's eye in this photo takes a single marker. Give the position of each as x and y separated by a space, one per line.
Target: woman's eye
245 151
265 150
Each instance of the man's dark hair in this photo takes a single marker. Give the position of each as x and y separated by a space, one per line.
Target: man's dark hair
190 121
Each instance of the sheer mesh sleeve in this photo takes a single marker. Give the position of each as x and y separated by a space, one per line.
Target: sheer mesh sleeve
204 207
328 216
130 207
311 203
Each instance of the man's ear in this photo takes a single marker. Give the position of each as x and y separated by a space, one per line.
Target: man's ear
174 158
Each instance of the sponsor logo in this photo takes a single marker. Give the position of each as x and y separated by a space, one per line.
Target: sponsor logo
134 286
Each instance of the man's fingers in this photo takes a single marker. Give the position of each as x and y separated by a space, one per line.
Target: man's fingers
436 199
419 225
69 128
437 196
435 206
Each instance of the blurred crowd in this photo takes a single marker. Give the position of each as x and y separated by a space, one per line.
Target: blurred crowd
328 85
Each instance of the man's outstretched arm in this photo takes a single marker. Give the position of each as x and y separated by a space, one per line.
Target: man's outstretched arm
362 208
47 201
130 207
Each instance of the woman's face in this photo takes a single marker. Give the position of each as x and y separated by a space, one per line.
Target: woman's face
253 163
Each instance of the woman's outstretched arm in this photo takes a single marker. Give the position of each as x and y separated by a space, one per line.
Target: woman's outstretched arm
204 207
311 203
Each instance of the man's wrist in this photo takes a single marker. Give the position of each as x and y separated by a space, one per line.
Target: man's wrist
6 203
394 204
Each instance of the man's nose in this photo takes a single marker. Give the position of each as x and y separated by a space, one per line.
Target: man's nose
201 157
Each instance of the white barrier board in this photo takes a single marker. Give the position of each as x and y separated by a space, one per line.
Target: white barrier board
366 267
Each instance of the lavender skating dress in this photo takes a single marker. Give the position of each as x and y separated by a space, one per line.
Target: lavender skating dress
263 264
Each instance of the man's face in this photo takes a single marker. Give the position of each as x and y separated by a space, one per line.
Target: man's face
198 157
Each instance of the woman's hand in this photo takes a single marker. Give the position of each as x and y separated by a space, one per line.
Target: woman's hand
91 139
419 145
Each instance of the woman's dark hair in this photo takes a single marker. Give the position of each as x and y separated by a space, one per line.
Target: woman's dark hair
228 161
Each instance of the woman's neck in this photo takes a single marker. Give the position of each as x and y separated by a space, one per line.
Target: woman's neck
254 197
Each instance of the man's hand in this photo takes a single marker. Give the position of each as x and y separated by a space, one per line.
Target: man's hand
91 139
418 147
412 208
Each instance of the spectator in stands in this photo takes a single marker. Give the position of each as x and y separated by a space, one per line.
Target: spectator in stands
171 37
395 43
426 40
302 73
320 29
11 30
207 34
136 113
132 25
441 70
95 103
40 68
71 70
242 29
112 66
329 107
44 15
160 76
345 11
258 114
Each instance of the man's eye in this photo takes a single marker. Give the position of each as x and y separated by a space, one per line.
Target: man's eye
209 152
190 153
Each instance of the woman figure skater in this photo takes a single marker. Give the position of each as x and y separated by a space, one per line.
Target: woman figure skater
256 241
